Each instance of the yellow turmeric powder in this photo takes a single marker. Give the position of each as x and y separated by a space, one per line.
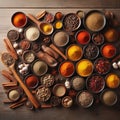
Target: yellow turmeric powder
84 67
74 52
112 80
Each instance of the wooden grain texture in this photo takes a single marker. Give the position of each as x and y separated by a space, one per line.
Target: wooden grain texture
60 3
7 8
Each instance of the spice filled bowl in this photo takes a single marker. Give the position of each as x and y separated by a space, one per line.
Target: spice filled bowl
32 81
60 38
67 102
83 37
28 56
14 94
84 99
71 22
109 97
112 80
98 38
102 66
95 83
46 28
19 19
84 67
108 51
74 52
91 51
39 67
32 33
13 35
58 25
25 44
59 90
77 83
111 35
47 80
66 69
95 21
43 93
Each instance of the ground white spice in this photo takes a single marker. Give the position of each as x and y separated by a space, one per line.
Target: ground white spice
32 33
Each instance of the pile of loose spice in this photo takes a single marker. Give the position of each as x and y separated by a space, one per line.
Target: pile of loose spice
42 73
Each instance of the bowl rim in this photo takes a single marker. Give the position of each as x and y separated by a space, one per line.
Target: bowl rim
103 80
14 16
66 52
91 64
56 86
63 63
80 22
57 31
98 51
106 45
82 30
92 11
80 92
106 90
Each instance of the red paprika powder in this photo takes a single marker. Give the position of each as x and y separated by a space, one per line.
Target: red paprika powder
108 50
83 37
19 19
32 81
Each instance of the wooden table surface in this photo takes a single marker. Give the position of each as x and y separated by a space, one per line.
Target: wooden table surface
7 8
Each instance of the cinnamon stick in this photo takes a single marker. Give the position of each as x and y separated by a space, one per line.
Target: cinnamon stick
10 48
7 101
9 84
58 51
7 75
41 14
46 106
116 58
19 103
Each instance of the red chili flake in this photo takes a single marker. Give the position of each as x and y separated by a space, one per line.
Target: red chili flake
96 83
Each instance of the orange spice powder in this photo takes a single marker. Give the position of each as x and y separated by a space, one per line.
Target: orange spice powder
67 69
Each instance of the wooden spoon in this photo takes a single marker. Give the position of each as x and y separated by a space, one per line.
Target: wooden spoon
41 25
26 90
24 87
